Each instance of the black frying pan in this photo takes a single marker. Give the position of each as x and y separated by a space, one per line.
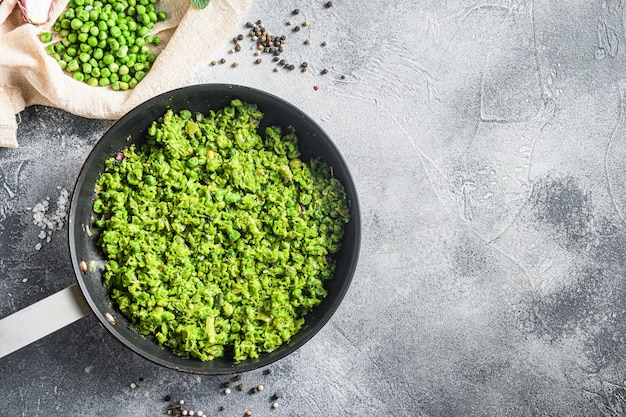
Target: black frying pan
130 129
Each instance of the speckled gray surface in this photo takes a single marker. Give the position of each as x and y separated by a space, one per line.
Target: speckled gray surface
488 143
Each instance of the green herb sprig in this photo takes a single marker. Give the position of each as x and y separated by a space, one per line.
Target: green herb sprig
200 4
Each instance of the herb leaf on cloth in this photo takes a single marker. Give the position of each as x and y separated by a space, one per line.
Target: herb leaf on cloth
200 4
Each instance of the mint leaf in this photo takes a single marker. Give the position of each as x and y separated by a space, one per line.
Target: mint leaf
200 4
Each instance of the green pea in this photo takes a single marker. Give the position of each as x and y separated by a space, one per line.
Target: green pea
104 81
79 76
161 16
98 54
76 24
122 51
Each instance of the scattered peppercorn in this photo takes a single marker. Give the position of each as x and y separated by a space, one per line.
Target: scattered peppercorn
343 76
258 22
249 24
222 61
260 387
231 51
225 384
307 41
222 408
324 71
227 391
296 29
133 385
288 23
275 396
267 371
258 61
237 378
292 67
240 36
167 398
240 387
254 390
324 43
275 405
248 413
275 69
296 11
237 48
282 62
83 265
304 64
235 64
329 4
303 70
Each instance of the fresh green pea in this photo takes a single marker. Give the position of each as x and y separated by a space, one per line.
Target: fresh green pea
76 24
79 76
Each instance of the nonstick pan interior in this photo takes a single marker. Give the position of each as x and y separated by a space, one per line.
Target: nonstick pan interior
132 129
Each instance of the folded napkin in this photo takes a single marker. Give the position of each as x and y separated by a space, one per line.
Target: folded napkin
28 75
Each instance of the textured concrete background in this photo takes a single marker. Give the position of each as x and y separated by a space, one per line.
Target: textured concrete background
488 143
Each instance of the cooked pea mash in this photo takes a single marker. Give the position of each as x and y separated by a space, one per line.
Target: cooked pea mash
218 240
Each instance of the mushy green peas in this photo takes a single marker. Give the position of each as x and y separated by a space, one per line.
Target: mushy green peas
219 240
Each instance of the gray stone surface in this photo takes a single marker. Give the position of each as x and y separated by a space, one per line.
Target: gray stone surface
488 143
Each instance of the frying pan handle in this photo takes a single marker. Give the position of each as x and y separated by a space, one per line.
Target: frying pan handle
42 318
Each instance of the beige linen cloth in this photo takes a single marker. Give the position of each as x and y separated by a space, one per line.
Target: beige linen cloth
28 75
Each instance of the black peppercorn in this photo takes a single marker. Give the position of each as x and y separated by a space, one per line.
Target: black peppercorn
296 11
167 398
329 4
324 71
